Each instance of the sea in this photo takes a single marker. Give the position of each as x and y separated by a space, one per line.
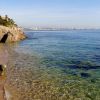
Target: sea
69 62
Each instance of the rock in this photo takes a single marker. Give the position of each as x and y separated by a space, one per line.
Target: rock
2 69
85 75
11 34
4 55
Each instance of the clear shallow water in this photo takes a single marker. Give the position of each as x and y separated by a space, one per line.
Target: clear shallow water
71 47
71 58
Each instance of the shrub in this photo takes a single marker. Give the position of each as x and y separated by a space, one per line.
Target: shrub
6 21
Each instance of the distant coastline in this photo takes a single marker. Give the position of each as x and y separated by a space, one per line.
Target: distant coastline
57 29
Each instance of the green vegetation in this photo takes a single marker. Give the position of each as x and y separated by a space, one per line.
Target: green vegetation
6 21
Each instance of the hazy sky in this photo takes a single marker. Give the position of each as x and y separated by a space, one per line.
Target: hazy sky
58 13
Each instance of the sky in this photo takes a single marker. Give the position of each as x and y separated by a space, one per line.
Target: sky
53 13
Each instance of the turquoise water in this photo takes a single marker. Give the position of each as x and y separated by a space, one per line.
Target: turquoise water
72 55
72 47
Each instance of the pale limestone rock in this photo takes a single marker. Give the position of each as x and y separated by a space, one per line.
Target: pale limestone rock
16 34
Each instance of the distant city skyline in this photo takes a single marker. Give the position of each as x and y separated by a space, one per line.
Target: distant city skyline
53 13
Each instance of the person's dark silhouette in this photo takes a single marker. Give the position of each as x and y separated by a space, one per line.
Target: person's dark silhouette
4 38
1 68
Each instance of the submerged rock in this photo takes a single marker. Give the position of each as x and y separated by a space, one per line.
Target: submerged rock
85 75
83 67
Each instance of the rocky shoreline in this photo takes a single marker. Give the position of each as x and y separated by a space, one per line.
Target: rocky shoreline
13 33
7 35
